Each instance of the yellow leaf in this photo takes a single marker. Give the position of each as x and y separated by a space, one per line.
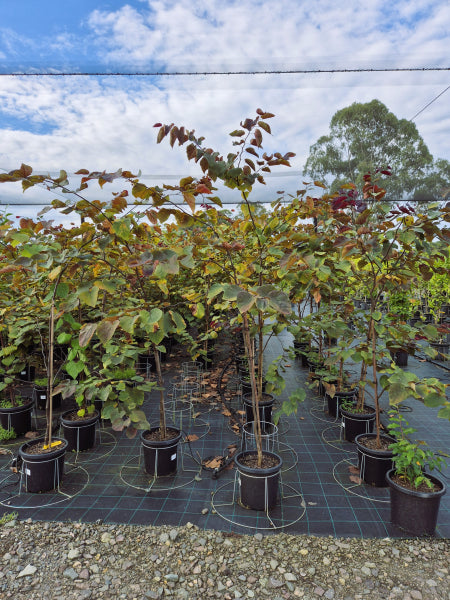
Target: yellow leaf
54 273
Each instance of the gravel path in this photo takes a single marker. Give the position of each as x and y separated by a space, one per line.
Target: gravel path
61 561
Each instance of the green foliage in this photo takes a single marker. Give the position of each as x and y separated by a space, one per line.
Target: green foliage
8 517
7 434
411 458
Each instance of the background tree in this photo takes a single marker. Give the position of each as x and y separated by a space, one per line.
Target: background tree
367 137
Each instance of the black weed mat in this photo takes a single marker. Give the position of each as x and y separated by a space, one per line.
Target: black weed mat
320 490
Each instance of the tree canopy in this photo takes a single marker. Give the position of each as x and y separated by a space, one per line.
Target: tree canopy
368 137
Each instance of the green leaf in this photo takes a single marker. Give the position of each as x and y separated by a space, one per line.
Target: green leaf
215 290
244 301
62 291
108 285
74 368
231 291
89 296
127 323
122 229
398 393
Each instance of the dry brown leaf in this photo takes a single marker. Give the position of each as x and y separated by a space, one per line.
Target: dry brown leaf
3 451
354 470
30 435
214 463
226 412
192 437
355 479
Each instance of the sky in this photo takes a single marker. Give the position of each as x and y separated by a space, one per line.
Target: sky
105 122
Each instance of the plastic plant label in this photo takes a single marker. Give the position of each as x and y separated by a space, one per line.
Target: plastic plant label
53 444
27 472
343 424
42 396
174 456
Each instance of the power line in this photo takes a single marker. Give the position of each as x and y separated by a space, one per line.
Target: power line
193 73
427 105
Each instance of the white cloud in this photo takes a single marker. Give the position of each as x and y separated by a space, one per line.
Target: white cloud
107 123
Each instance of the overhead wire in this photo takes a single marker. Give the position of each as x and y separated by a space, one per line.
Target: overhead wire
224 72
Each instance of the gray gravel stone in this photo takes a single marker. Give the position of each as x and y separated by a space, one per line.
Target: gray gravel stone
139 563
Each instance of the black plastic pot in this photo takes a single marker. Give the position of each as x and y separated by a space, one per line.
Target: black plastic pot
247 386
301 350
258 488
17 418
334 403
160 457
145 363
400 357
80 435
28 373
373 464
357 423
442 349
41 398
413 511
265 408
42 472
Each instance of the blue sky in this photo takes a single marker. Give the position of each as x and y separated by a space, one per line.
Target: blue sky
55 123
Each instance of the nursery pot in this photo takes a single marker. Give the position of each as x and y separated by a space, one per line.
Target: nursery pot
442 348
28 373
301 349
160 457
334 403
247 386
41 398
79 433
354 423
374 463
258 488
413 511
17 417
264 409
42 472
400 357
145 363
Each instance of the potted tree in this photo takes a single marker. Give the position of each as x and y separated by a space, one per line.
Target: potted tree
415 494
251 248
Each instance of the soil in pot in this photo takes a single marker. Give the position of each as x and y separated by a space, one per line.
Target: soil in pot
17 417
415 510
374 462
356 423
79 431
258 487
265 408
42 468
160 455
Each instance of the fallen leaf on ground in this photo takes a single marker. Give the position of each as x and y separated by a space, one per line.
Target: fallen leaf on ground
226 413
213 463
355 479
354 470
192 437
